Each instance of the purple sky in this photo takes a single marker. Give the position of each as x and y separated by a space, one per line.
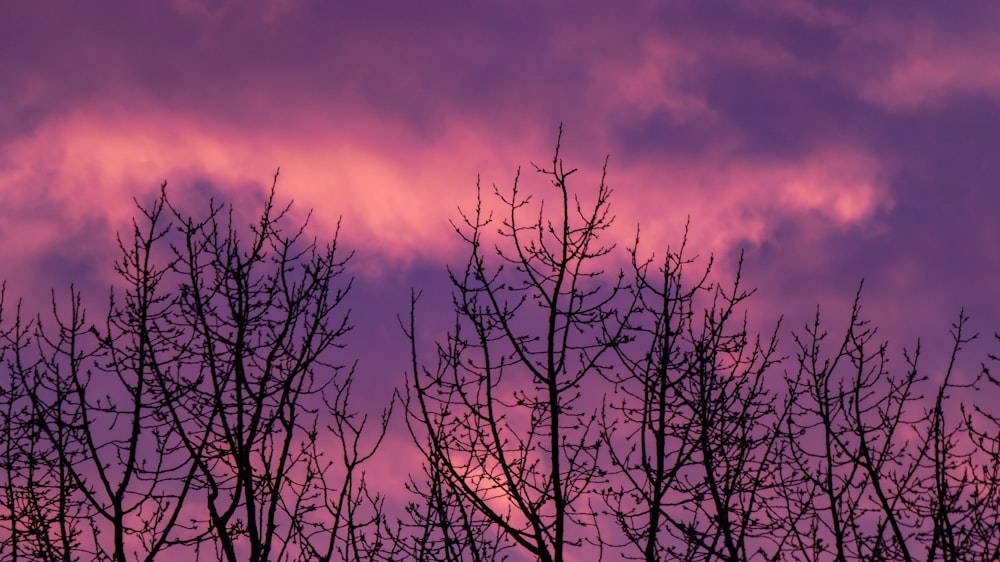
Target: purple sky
831 141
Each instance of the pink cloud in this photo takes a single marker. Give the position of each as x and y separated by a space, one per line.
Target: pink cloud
743 201
397 191
214 10
394 195
654 79
907 64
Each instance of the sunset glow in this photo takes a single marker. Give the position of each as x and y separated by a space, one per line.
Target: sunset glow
826 143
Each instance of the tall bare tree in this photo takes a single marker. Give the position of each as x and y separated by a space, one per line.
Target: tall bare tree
439 524
690 425
880 464
207 415
258 320
44 518
504 410
571 411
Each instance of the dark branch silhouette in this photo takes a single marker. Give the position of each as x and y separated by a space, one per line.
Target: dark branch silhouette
572 411
207 416
503 410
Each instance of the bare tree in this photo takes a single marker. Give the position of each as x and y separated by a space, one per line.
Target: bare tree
972 531
842 446
503 411
690 426
44 519
439 524
258 320
872 470
569 412
206 416
96 417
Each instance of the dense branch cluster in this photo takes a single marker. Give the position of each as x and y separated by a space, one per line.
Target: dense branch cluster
201 415
573 411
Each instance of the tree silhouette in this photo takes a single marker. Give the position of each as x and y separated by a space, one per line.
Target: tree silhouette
573 410
204 414
507 428
44 516
873 470
690 422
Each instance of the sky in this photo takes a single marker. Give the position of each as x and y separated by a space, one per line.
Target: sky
829 141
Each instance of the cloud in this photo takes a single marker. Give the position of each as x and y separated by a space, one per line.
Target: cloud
748 119
746 202
919 56
395 200
266 11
